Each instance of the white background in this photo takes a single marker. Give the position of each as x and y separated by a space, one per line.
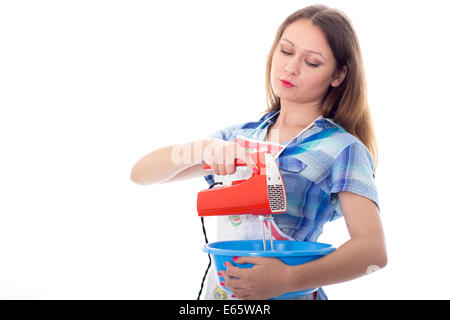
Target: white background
89 87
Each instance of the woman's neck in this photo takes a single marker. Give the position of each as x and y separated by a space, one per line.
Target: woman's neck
295 115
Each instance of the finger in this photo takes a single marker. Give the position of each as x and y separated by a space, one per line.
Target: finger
208 153
229 160
233 271
245 156
235 285
210 161
222 169
218 159
240 292
223 274
243 297
214 168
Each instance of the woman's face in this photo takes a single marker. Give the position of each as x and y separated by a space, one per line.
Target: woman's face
303 58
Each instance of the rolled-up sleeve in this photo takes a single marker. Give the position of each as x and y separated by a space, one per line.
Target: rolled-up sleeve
353 172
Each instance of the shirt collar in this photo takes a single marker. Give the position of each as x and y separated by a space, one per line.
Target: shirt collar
326 123
323 122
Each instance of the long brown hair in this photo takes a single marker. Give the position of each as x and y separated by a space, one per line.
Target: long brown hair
347 104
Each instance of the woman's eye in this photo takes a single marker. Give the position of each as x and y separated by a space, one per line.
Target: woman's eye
312 64
286 53
308 63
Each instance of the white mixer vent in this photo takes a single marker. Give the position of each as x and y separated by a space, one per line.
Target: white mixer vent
276 198
275 187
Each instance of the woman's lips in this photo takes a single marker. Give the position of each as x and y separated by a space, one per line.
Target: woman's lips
287 84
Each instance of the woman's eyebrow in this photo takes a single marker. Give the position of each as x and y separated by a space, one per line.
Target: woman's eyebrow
307 50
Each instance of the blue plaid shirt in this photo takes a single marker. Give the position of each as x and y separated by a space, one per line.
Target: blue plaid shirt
315 167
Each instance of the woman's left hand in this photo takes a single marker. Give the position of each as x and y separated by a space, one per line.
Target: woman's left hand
266 279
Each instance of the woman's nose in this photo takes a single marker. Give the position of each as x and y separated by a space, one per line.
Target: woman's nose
292 67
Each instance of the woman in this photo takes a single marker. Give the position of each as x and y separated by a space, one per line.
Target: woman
318 111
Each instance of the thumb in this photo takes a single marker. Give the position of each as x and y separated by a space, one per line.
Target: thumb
246 157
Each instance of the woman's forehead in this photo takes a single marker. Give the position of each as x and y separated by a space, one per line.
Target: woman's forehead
306 36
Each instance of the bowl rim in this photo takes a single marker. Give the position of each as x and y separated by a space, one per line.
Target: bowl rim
328 248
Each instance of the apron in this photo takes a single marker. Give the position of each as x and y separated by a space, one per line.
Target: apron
247 226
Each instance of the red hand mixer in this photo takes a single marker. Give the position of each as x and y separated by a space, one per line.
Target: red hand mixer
263 194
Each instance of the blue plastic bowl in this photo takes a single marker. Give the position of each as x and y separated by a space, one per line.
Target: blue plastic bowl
290 252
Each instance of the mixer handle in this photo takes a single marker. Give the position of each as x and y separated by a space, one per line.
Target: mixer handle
258 157
237 163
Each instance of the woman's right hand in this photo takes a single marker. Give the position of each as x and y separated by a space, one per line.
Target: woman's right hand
220 156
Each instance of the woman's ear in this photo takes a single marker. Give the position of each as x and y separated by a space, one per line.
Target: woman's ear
339 77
